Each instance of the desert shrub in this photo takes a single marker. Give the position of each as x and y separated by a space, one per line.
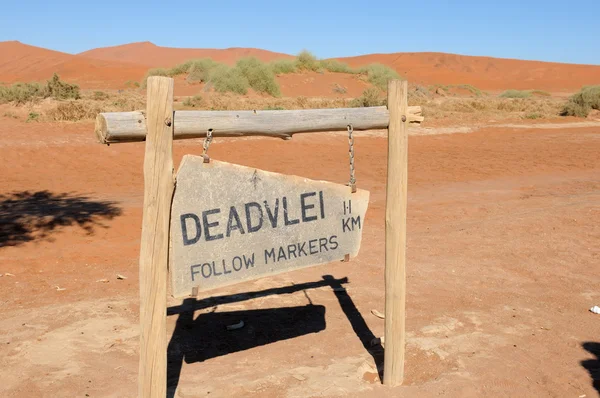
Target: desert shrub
155 72
260 77
180 69
516 94
370 97
282 66
225 79
307 61
19 93
32 117
533 115
194 101
199 70
11 115
274 108
540 93
73 111
335 66
581 103
474 90
379 75
60 90
99 95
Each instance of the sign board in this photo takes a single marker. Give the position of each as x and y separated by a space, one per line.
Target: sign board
231 223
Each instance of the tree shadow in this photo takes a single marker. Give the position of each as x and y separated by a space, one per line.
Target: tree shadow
593 365
26 216
196 340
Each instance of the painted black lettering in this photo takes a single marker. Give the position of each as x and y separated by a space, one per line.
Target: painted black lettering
269 254
286 219
259 221
291 249
322 204
355 221
209 225
206 274
214 266
239 265
273 216
345 225
332 242
249 261
311 247
193 270
301 249
304 206
184 231
322 244
281 254
234 222
225 268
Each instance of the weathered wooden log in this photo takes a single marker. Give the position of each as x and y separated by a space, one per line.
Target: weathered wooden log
114 127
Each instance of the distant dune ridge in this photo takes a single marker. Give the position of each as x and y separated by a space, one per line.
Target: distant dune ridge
111 67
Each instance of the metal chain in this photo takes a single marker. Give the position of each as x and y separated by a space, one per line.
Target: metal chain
207 141
352 182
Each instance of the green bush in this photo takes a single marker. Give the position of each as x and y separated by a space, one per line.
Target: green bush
274 108
282 66
474 90
225 79
581 103
260 77
199 69
379 75
19 93
370 97
307 61
180 69
541 93
100 95
155 72
194 101
335 66
516 94
534 115
32 117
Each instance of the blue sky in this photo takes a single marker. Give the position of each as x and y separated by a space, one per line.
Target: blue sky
527 29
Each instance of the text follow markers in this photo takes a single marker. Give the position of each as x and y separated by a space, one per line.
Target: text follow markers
231 223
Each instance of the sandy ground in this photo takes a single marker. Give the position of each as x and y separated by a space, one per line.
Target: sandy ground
503 261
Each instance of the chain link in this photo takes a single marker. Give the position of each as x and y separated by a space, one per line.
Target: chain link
207 141
352 182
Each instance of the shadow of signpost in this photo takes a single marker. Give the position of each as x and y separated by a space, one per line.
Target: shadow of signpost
196 340
593 365
26 216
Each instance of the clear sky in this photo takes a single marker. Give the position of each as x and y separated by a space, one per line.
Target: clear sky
565 31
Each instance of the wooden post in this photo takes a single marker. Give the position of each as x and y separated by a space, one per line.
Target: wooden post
154 251
395 233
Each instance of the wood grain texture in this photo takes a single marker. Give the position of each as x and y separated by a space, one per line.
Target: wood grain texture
114 127
154 251
395 234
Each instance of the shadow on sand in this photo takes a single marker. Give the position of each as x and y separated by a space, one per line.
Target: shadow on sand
196 340
26 216
593 365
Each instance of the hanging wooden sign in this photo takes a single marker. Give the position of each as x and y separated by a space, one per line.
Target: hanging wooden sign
231 223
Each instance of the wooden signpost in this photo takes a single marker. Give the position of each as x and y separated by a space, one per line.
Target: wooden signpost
227 223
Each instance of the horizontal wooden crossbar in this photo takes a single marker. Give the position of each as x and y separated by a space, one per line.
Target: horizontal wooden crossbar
115 127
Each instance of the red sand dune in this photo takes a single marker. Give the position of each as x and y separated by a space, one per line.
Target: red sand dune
25 63
486 73
111 67
151 55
